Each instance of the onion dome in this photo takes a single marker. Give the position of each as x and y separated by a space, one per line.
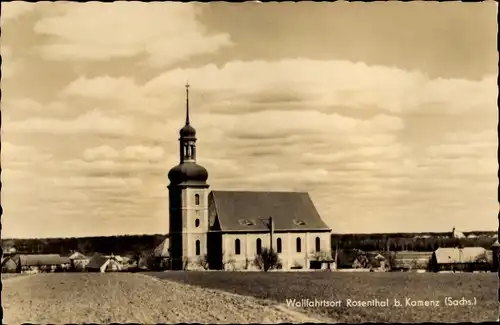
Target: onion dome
187 131
188 173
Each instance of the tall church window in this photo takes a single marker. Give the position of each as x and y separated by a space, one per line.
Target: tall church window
197 223
259 246
298 244
197 199
198 248
278 245
318 244
237 248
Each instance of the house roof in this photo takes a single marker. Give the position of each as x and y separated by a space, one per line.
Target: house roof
250 211
162 249
41 259
77 256
459 255
348 256
97 261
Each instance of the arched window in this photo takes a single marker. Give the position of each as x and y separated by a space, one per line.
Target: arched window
298 244
197 223
259 246
318 244
198 248
197 199
237 247
278 245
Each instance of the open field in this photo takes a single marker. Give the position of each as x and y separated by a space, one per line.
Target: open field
6 276
280 286
105 298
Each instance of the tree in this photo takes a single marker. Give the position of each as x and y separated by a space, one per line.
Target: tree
228 260
202 261
267 260
391 260
247 263
185 263
321 256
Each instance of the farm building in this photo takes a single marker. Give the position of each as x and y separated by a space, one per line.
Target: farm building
161 255
79 261
357 259
101 263
9 265
235 226
347 257
491 257
27 263
162 249
459 259
409 260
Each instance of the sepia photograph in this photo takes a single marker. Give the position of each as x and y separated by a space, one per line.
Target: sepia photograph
254 162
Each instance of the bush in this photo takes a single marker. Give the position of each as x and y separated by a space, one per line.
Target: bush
202 261
267 260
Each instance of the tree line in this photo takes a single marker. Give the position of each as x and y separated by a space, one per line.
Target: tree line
407 242
134 244
117 245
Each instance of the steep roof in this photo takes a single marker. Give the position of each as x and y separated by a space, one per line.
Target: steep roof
77 256
459 255
250 211
162 249
41 259
97 261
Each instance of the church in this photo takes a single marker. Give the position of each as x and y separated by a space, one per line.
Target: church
227 229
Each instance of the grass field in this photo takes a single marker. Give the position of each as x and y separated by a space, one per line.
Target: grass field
6 276
104 298
280 286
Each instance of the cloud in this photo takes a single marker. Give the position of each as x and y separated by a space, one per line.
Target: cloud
325 85
465 154
131 153
10 64
93 122
15 9
165 34
103 87
21 156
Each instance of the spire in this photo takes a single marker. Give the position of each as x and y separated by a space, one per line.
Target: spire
187 103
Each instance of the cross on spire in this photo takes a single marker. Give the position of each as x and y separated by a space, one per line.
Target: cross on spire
187 103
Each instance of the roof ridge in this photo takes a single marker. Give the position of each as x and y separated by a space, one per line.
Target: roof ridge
259 191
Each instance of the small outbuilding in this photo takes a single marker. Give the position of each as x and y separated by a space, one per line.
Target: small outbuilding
79 261
100 263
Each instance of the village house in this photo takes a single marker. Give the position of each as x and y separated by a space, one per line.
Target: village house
467 259
101 263
358 259
161 255
229 228
409 260
35 263
78 261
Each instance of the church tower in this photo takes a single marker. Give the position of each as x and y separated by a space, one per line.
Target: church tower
188 198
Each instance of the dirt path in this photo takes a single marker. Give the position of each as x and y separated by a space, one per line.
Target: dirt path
130 298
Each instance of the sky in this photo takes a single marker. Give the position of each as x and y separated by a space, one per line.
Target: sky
385 112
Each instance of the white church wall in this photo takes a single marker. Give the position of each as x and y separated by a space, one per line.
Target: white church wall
289 256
